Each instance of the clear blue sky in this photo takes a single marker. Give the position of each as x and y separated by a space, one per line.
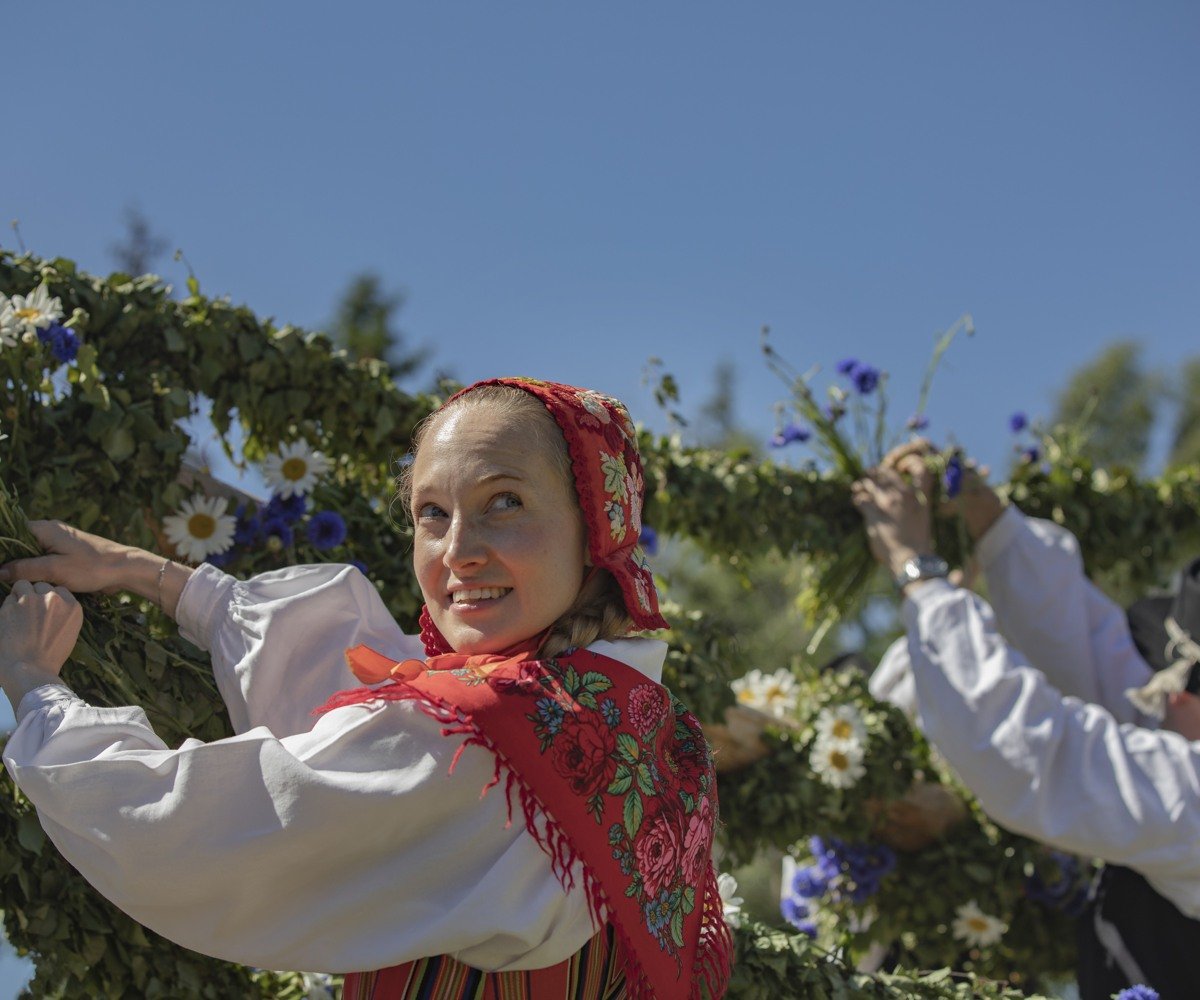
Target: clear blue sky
566 189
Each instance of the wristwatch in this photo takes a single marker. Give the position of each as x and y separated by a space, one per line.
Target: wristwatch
923 567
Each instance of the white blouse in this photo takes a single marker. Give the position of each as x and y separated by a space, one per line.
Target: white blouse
1039 727
335 843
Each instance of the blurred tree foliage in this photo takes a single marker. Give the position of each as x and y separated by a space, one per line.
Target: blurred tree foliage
364 324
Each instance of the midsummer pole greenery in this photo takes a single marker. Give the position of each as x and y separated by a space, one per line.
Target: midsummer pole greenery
91 410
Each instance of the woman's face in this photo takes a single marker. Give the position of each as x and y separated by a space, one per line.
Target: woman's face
499 543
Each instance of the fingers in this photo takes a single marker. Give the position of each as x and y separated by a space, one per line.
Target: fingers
37 568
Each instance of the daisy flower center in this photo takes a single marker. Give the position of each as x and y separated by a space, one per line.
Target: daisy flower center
294 469
842 729
839 760
977 924
201 525
28 313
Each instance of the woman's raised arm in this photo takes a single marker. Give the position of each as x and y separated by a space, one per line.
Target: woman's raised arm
83 563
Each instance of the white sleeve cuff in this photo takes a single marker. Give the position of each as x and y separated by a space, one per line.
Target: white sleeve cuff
46 696
203 601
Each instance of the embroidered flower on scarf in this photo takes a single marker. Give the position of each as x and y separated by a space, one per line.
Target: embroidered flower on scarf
200 528
593 402
647 707
776 693
976 928
611 712
295 468
550 714
583 752
659 851
616 519
837 764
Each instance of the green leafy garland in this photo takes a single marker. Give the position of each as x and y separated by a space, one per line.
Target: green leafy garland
96 442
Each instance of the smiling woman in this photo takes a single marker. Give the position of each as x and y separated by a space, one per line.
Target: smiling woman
526 498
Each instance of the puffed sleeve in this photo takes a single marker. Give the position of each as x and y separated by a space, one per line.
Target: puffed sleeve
278 640
1046 607
346 847
1048 766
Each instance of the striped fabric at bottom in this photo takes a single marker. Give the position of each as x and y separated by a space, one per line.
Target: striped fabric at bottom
595 972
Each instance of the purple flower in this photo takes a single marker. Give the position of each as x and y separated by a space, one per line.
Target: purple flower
1138 992
247 529
648 540
917 422
359 565
954 475
792 432
810 883
1018 422
288 509
847 366
1031 454
63 341
794 911
277 527
865 378
326 530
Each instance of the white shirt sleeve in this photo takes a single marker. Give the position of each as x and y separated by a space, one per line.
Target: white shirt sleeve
1048 609
278 640
1048 766
337 843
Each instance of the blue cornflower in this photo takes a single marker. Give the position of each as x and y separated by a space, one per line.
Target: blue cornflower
1018 422
865 378
247 527
810 883
220 559
954 475
1031 454
359 565
847 366
278 529
792 432
326 530
834 412
648 540
794 911
63 341
917 422
1138 992
288 509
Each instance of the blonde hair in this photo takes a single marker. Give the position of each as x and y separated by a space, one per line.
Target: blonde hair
598 611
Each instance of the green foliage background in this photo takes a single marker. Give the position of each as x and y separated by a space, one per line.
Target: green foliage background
100 446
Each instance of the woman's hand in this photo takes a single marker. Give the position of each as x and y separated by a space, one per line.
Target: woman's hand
39 625
74 559
83 563
896 512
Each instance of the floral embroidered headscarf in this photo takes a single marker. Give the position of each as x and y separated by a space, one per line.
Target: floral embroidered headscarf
607 470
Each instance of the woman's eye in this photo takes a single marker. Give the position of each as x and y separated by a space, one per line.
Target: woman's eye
429 510
506 501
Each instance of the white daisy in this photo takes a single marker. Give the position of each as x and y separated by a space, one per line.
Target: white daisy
295 469
10 329
731 904
839 764
775 694
976 928
200 528
36 310
841 724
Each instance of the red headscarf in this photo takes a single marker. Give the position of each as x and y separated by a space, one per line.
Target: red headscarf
607 470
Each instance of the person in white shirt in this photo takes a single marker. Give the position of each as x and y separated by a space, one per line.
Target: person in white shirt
1029 704
341 843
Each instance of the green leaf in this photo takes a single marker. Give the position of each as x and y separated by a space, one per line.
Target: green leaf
622 781
645 783
628 747
633 813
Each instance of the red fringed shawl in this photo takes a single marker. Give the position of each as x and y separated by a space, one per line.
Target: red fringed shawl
624 778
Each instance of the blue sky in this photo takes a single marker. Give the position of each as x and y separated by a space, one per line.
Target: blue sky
567 189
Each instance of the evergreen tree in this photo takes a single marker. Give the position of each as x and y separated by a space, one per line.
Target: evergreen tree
364 325
141 246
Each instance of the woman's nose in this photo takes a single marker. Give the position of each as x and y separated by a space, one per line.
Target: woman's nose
465 543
